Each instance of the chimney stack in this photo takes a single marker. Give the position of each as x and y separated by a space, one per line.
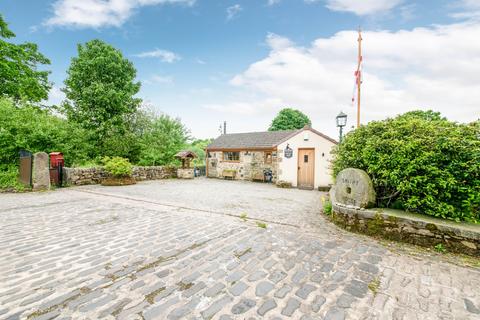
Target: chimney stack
224 127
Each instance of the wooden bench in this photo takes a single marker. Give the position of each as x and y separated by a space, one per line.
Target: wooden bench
229 174
258 176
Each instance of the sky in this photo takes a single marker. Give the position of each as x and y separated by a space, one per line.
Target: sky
242 61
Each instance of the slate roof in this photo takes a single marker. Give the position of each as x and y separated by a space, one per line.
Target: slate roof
252 140
186 154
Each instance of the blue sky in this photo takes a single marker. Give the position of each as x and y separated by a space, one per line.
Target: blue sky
241 61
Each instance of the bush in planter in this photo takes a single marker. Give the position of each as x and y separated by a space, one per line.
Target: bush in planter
120 170
419 162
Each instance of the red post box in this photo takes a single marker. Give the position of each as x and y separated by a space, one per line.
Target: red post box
56 159
56 168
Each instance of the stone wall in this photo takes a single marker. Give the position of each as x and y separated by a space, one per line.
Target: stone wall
250 164
83 176
407 227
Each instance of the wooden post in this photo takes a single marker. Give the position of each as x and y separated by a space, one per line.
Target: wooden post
359 75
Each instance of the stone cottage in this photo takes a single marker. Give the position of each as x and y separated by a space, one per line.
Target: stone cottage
300 157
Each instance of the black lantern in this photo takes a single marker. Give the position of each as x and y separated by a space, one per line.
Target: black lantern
341 122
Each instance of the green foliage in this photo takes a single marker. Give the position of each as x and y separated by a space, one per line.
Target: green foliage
100 89
26 127
419 162
327 207
289 119
262 225
198 146
440 248
161 139
20 78
9 178
117 166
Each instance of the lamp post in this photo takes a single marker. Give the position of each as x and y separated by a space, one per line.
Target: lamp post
341 122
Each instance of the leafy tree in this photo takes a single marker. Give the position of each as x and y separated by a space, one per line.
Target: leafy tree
289 119
419 161
161 140
198 146
27 127
100 89
20 78
34 129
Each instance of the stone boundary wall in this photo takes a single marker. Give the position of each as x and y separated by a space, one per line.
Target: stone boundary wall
407 227
83 176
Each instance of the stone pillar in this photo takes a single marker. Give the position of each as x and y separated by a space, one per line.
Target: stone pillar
41 172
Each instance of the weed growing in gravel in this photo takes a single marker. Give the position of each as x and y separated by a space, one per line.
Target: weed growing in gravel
261 225
243 216
374 285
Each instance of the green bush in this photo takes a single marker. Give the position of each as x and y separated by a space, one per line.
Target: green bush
26 127
9 178
419 162
327 207
118 167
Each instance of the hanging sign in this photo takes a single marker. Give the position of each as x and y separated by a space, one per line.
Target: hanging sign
288 153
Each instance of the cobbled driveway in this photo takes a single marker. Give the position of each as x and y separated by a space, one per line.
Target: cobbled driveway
179 250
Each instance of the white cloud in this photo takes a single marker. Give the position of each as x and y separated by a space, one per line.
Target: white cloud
233 11
272 2
163 55
99 13
159 79
468 9
428 68
360 7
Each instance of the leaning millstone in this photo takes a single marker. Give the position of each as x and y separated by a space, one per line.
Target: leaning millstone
354 187
40 171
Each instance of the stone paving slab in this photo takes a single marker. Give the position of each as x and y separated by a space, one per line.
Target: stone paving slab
131 253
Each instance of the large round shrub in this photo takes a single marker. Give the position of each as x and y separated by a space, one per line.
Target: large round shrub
118 167
419 162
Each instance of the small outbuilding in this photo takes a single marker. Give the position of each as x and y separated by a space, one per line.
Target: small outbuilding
186 172
297 157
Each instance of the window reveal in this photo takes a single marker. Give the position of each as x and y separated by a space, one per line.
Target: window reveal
231 156
268 157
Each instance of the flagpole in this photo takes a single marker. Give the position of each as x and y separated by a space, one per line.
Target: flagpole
359 75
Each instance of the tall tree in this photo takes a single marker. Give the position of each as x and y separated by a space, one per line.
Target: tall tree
289 119
100 88
161 140
20 78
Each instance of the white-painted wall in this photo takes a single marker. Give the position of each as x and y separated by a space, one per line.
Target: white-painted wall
288 167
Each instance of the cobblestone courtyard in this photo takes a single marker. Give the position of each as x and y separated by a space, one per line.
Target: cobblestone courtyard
179 250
